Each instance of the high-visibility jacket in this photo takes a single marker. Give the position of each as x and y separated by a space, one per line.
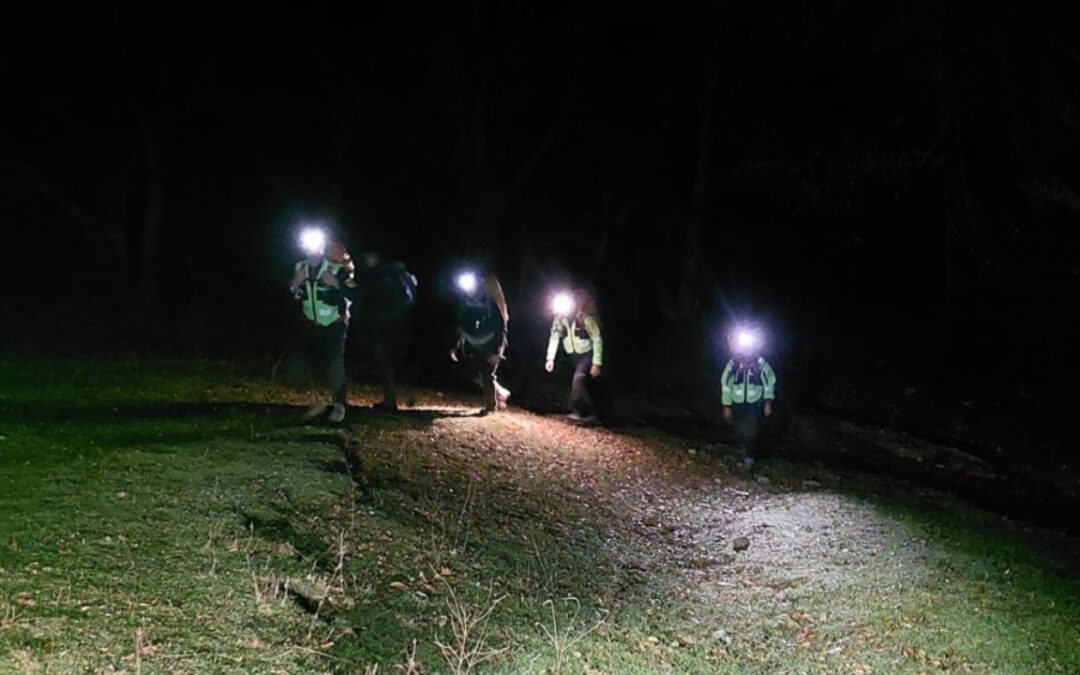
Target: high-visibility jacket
747 384
322 304
579 335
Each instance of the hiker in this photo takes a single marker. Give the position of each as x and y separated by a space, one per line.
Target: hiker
747 390
481 333
576 327
323 284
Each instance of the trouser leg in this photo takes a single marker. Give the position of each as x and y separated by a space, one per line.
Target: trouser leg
385 365
747 424
332 345
391 347
488 383
580 398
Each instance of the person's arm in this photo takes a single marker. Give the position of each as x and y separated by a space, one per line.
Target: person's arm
596 339
726 390
338 286
500 324
346 277
296 285
553 344
768 382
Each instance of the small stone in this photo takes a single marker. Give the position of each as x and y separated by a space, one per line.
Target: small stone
763 480
741 544
691 451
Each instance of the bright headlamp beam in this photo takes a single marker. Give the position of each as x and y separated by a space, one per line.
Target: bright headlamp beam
562 304
313 240
745 341
468 282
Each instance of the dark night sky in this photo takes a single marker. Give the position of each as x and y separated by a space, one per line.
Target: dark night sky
840 137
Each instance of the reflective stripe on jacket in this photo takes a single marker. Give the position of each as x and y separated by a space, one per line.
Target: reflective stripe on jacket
579 336
747 385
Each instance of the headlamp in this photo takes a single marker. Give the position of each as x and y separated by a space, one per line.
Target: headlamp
467 282
562 304
745 341
313 240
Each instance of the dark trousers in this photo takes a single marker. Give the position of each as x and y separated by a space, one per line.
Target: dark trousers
477 362
746 422
478 367
581 399
326 357
389 347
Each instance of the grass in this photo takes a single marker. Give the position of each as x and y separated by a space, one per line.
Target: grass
172 516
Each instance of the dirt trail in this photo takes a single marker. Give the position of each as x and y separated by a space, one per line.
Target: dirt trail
819 564
673 510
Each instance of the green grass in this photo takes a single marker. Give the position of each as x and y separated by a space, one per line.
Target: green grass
171 516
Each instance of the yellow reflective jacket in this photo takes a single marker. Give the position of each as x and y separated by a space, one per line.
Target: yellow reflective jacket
322 304
747 385
579 335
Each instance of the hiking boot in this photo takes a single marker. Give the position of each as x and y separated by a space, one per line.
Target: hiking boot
590 421
315 411
337 415
748 463
574 416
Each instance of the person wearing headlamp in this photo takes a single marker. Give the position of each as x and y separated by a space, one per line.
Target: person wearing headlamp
481 332
747 390
576 327
323 285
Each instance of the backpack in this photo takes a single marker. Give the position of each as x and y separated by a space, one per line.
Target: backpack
400 286
390 291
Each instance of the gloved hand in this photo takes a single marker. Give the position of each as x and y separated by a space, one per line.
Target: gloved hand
330 280
594 370
728 413
549 366
454 355
767 408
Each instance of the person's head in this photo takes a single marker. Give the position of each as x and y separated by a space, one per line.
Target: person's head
469 282
745 344
370 259
313 243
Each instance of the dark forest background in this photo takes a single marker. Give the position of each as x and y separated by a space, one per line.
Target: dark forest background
890 187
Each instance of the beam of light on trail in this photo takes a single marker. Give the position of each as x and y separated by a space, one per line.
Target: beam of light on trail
562 304
467 282
313 240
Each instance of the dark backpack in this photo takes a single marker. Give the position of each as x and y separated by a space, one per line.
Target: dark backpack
391 291
401 286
